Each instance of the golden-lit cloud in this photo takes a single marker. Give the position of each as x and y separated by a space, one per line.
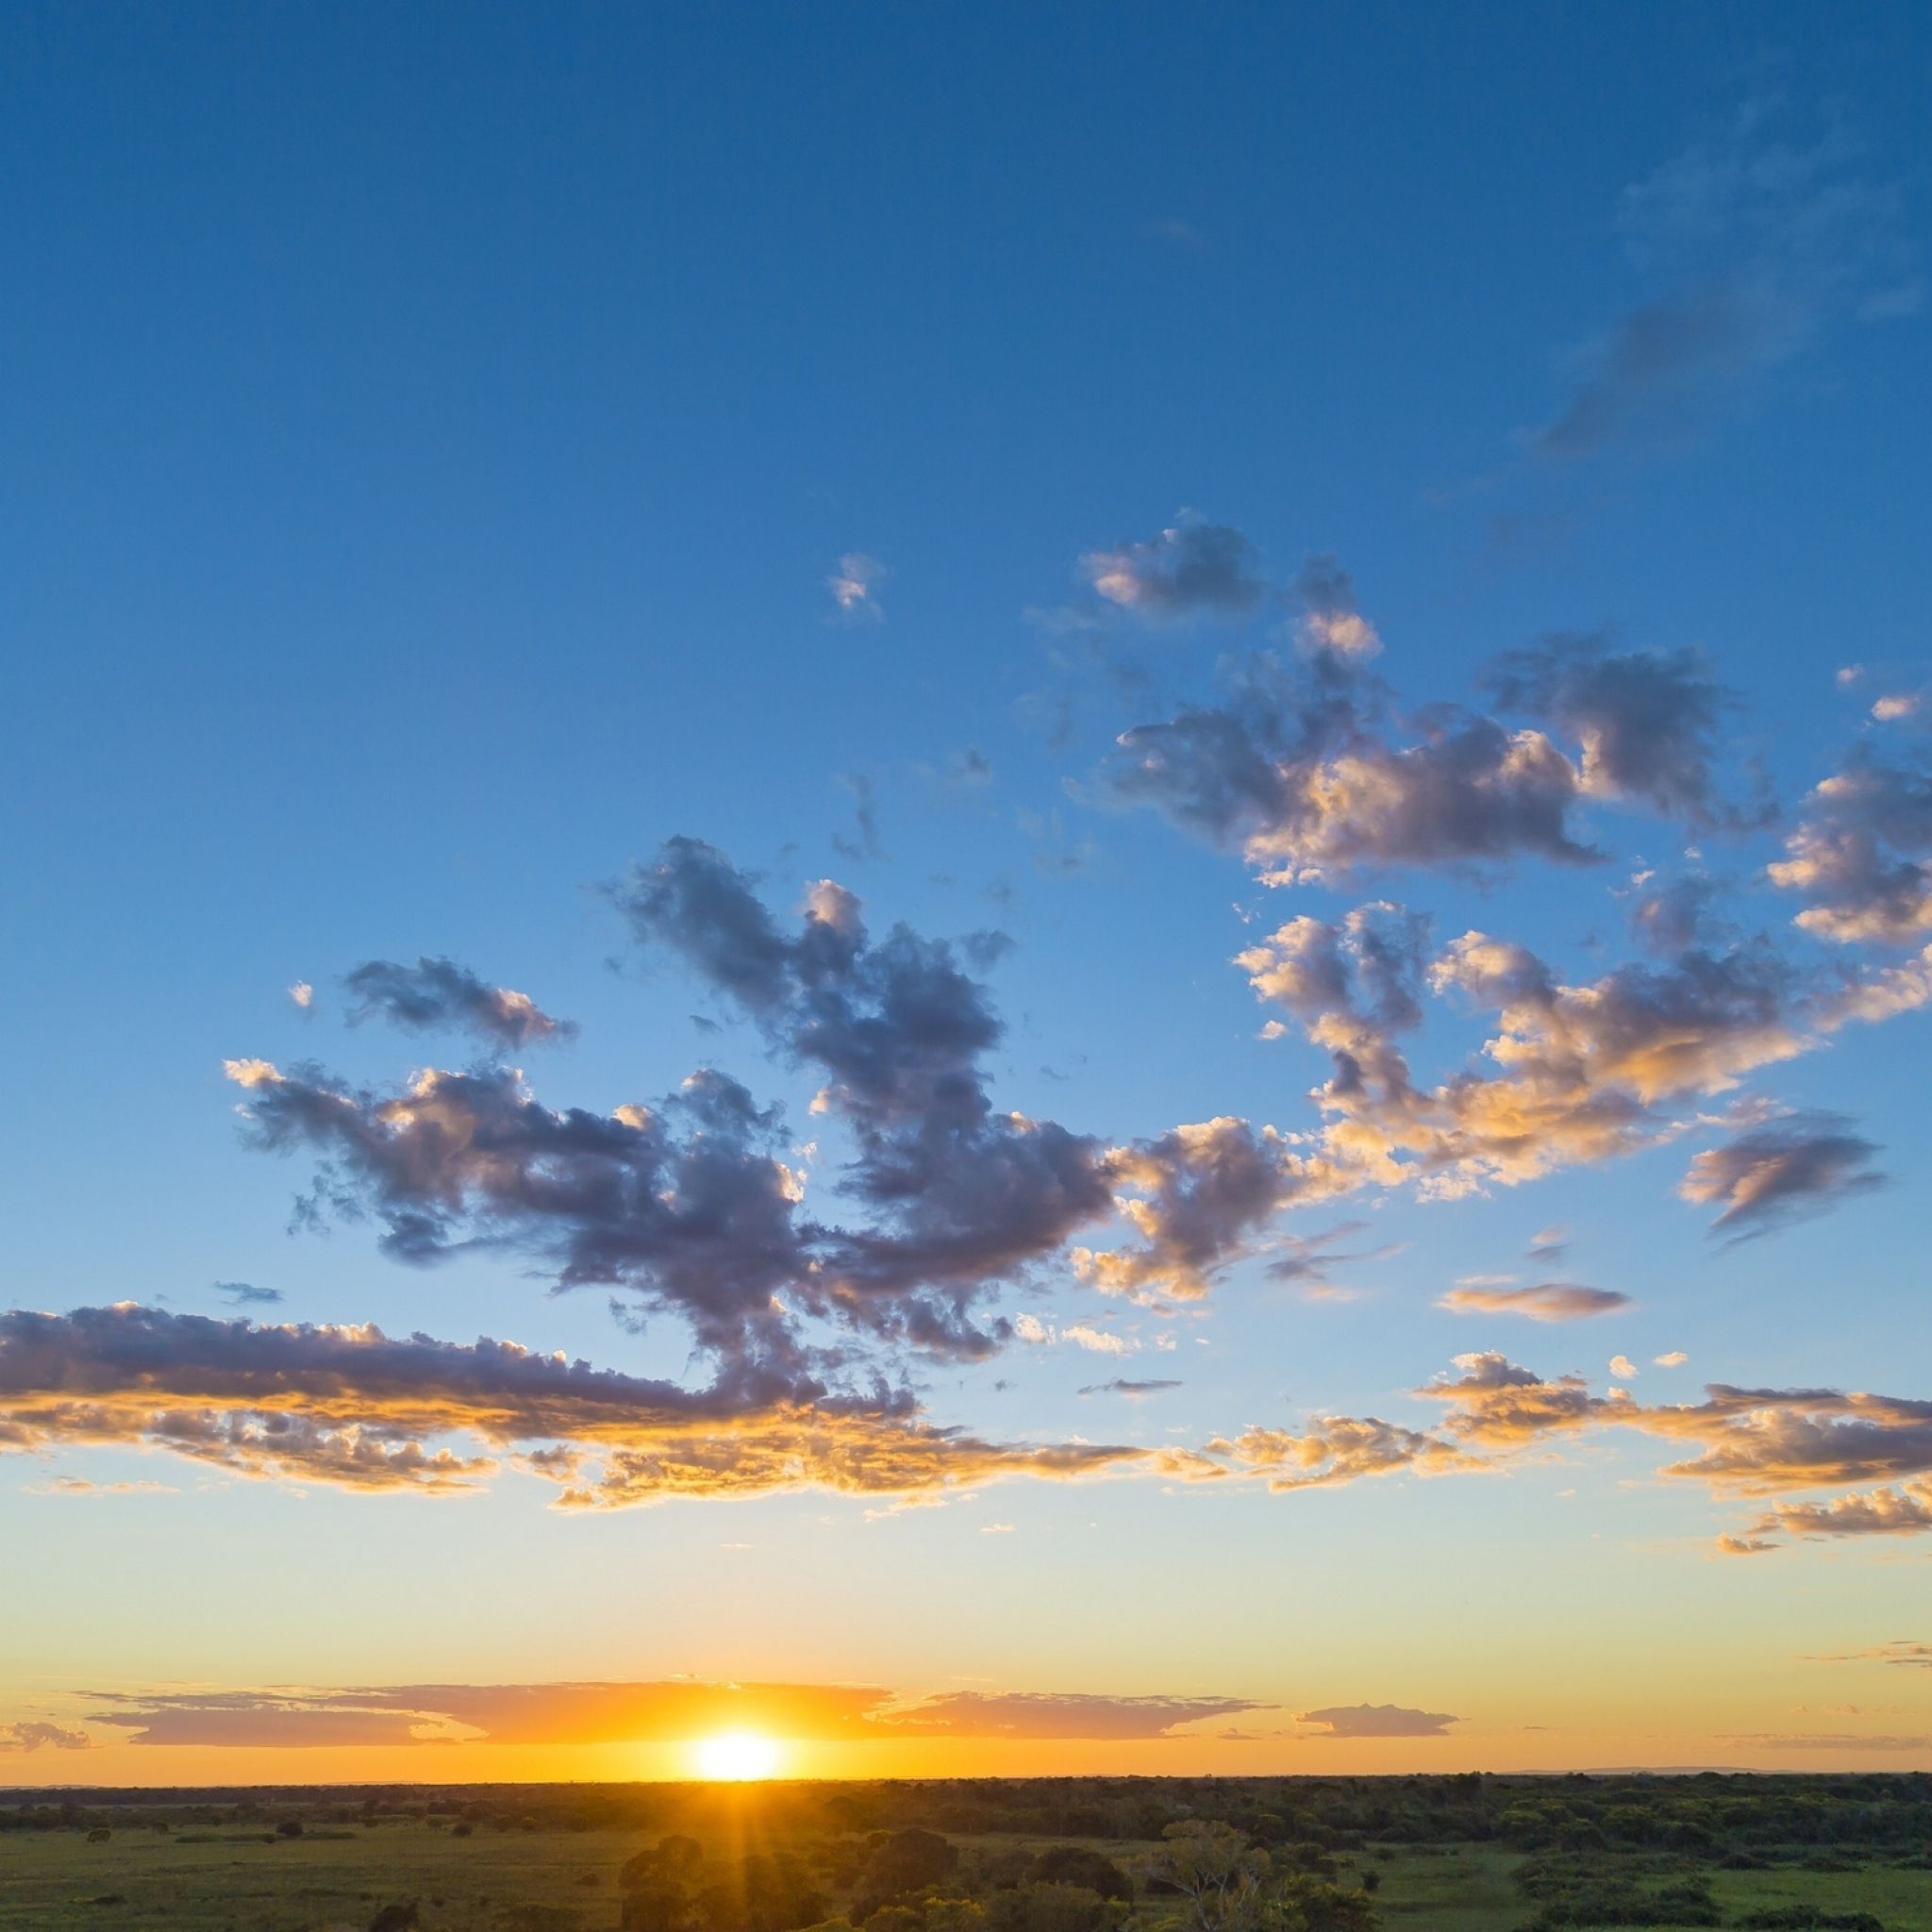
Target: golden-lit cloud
355 1408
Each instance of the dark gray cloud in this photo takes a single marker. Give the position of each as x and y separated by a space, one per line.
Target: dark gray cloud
245 1295
1752 248
439 993
1647 721
688 1202
1781 1171
1193 568
1673 916
962 1196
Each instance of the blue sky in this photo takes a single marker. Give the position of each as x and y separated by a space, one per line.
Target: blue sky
434 444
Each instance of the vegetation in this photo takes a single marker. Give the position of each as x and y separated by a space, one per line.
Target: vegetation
1465 1854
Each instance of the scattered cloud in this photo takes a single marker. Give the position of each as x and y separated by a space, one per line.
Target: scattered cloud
1752 248
1193 568
1545 1301
1375 1720
1785 1169
1860 854
32 1736
245 1295
355 1408
853 587
439 994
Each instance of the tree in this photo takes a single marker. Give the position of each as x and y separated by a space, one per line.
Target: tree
902 1863
1082 1865
1220 1874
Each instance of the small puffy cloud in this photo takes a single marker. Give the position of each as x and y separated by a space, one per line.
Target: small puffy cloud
853 587
1546 1301
1860 854
302 995
1897 706
439 993
1647 721
1375 1720
1675 1360
1623 1368
1786 1170
1097 1340
1192 569
1333 619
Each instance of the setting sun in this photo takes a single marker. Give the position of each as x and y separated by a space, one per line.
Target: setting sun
737 1755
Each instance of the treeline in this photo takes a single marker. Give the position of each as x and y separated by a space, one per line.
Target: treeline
1706 1816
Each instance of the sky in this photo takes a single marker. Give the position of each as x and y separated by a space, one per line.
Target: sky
1015 891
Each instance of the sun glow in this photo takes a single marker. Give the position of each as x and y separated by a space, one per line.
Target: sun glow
737 1755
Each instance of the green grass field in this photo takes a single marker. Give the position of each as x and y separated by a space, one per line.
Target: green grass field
224 1879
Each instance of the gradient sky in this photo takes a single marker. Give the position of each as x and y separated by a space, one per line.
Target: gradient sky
1138 807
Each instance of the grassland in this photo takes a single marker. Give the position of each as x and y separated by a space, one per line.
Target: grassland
549 1861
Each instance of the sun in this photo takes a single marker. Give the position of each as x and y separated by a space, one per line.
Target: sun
736 1756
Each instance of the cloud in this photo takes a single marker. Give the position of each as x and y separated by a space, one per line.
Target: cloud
1902 1511
355 1408
963 1196
1376 1720
1121 1386
1545 1301
1647 721
1624 1368
1049 1715
1752 249
1334 620
689 1202
245 1295
1675 1360
666 1710
1767 1443
853 587
1894 706
1902 1651
1192 569
439 993
1197 1196
1786 1170
30 1736
1097 1340
1670 918
1860 854
302 995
